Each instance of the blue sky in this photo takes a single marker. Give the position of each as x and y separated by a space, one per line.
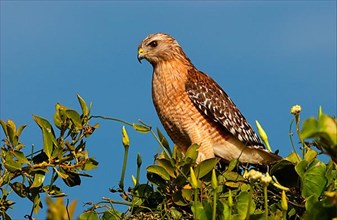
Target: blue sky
267 55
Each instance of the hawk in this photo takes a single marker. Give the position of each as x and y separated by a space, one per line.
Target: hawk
194 109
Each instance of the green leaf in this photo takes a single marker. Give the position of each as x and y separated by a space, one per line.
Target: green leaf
242 201
21 157
207 208
83 104
167 165
328 125
285 173
111 214
75 118
186 194
20 129
175 213
301 168
38 179
164 142
233 176
19 146
48 135
89 215
181 181
309 128
58 152
325 127
19 189
39 158
47 142
293 157
58 121
141 128
198 210
310 155
4 127
90 164
12 165
310 201
53 191
179 200
11 131
320 211
73 179
314 180
331 173
36 200
291 213
205 167
177 154
160 171
232 165
143 190
40 169
279 166
192 152
225 210
61 174
43 123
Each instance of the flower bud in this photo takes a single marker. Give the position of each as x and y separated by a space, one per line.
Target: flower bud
266 179
125 138
139 160
284 201
194 181
263 135
295 110
134 181
214 181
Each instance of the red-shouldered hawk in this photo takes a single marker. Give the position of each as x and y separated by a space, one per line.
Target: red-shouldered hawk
194 109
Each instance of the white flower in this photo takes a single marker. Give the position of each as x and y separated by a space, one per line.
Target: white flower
296 109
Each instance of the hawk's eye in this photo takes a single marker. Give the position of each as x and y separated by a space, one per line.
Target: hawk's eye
153 43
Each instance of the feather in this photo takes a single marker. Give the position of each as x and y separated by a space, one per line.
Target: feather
212 101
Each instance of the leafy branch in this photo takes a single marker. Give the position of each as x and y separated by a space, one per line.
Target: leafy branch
177 187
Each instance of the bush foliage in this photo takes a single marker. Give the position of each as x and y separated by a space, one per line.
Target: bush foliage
301 186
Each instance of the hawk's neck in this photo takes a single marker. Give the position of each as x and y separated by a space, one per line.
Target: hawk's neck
173 68
169 79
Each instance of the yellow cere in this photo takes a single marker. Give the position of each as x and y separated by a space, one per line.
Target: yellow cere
140 51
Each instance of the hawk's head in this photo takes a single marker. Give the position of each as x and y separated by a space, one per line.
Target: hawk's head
159 47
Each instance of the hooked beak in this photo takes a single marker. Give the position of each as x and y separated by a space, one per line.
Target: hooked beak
141 55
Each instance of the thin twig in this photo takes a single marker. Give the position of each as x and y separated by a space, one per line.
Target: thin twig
111 119
291 140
